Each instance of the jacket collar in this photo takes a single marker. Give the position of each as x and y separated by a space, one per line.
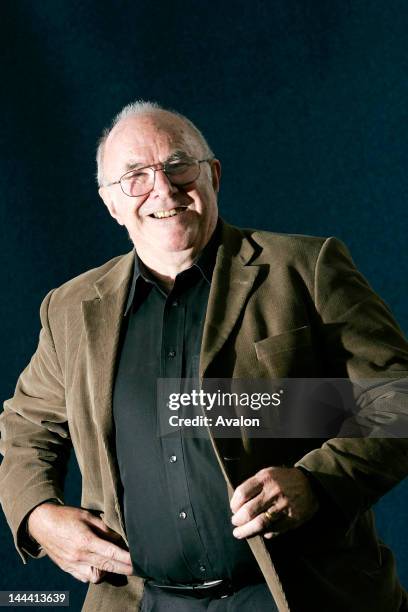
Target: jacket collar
205 264
234 247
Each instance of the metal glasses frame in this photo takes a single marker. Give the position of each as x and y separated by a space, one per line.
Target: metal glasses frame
155 168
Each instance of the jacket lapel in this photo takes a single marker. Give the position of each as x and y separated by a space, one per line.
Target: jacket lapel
231 284
233 280
102 319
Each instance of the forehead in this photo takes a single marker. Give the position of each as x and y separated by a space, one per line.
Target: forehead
148 139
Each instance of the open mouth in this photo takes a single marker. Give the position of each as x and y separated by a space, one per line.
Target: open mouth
164 214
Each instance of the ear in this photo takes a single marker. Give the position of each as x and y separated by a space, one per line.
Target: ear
109 203
216 174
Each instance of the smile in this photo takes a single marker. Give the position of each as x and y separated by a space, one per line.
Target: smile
162 214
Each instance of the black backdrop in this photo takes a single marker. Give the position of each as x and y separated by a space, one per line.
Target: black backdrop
304 102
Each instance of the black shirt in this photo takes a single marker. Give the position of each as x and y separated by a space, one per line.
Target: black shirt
175 503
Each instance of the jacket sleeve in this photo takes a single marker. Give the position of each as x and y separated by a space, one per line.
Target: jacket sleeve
361 341
35 438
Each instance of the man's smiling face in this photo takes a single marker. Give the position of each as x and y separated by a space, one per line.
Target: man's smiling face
150 139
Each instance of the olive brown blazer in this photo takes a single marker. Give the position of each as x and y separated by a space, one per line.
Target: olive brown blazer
279 306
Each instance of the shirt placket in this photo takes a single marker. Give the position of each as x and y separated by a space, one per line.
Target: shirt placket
173 457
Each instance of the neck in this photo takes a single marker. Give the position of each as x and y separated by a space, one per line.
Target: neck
166 265
165 271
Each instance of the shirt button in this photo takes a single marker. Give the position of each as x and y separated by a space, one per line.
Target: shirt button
173 458
183 515
203 569
171 354
175 303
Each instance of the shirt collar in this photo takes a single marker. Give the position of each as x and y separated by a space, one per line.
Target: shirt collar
205 263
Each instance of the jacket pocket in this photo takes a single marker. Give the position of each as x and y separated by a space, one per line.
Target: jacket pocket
287 341
289 354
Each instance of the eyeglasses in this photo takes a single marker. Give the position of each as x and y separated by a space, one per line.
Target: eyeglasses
140 181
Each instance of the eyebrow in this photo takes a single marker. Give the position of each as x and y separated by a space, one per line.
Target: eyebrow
176 155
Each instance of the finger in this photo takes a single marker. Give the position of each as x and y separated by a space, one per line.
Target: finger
96 575
272 534
79 576
261 523
251 528
108 550
256 506
86 573
281 525
247 490
109 565
108 557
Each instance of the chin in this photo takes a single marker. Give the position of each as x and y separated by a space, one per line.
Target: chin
173 246
178 239
170 239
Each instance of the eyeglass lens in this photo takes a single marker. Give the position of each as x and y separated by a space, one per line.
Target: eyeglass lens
140 182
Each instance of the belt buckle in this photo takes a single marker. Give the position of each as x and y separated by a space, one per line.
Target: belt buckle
213 584
201 589
208 584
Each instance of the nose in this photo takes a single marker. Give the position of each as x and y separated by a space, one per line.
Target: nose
162 185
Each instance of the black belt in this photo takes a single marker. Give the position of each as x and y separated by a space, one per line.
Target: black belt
213 588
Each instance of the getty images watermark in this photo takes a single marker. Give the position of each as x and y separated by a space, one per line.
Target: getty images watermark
216 401
283 408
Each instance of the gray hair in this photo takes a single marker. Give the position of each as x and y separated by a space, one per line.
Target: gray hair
143 107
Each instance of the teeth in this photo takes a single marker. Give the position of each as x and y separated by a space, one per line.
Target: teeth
161 214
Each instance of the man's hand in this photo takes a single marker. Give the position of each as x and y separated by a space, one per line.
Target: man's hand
284 494
78 542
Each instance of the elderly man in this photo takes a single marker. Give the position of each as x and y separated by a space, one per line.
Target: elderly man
196 523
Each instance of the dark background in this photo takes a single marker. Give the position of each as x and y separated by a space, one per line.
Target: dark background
304 102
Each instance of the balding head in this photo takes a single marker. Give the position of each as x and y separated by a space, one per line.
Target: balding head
153 112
